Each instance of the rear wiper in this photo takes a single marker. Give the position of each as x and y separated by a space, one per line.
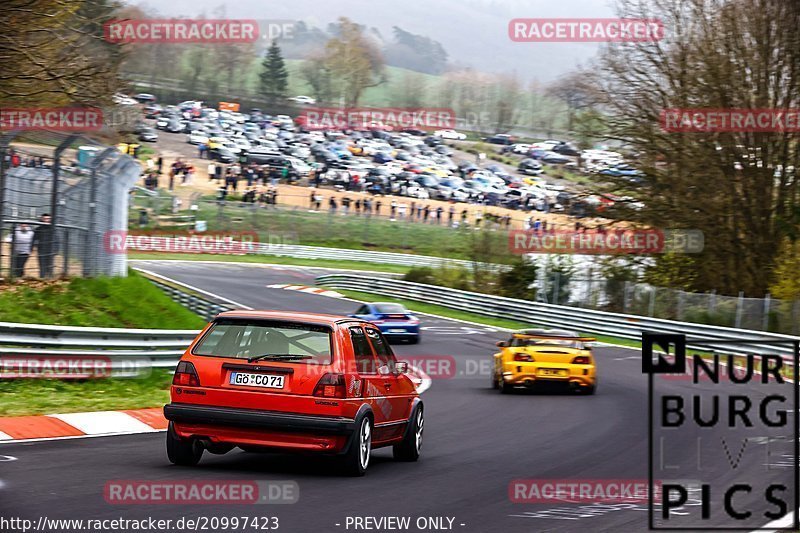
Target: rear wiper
278 357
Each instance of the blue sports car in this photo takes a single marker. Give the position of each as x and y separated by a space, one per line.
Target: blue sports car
394 320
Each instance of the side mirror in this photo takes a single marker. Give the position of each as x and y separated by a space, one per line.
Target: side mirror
501 344
383 370
401 367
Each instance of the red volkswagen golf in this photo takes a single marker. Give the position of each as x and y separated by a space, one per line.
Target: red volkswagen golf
278 381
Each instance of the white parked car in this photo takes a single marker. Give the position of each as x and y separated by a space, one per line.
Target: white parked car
299 166
520 148
197 137
123 99
305 100
450 134
242 143
415 191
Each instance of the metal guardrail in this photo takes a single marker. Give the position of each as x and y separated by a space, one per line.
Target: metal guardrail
138 347
125 348
198 305
559 316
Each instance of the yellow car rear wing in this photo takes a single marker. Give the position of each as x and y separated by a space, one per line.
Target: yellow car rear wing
552 337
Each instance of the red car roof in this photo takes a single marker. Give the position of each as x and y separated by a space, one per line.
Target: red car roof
289 316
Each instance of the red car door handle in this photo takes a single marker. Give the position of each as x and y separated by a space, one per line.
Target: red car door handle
387 385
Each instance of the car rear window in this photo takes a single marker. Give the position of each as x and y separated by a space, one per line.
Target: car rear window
390 308
243 339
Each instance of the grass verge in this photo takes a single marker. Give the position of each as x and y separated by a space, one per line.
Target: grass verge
49 396
276 260
131 302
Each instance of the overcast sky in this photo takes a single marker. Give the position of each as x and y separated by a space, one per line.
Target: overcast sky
474 32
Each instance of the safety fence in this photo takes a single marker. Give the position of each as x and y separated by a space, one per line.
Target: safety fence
59 195
616 325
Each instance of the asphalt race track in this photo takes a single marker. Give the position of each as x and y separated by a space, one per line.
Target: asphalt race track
476 442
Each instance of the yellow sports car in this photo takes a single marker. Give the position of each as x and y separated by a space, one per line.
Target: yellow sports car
537 356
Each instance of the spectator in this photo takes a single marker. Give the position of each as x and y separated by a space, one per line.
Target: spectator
212 172
425 213
345 205
401 211
413 208
45 244
22 244
450 214
439 211
332 205
392 210
358 206
378 205
311 199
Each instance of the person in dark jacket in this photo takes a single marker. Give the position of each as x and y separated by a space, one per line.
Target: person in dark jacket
44 242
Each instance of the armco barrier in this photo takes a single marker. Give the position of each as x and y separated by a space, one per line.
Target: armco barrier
161 347
559 316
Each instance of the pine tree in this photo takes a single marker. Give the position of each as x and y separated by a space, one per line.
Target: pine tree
274 76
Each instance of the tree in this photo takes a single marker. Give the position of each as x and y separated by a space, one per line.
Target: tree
274 76
52 52
787 272
354 62
316 73
576 91
738 188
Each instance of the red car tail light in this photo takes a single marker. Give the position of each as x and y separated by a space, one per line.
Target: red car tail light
186 375
331 386
523 357
581 360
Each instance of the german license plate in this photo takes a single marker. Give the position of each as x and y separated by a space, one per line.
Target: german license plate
269 381
550 372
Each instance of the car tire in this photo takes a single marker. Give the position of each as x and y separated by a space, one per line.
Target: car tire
183 452
495 381
409 448
590 389
414 340
356 460
506 388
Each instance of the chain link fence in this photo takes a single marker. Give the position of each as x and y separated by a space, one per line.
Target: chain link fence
59 196
761 314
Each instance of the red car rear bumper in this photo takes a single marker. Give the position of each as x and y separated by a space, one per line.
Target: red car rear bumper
268 429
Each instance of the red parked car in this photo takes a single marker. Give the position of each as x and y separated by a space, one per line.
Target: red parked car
284 381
